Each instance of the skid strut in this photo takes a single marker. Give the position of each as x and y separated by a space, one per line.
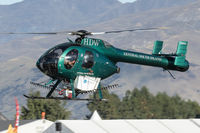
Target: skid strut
76 92
53 88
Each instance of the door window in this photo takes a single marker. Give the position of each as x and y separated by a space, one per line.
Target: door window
71 58
88 60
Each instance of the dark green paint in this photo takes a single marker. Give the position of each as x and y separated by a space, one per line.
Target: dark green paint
157 49
103 67
100 92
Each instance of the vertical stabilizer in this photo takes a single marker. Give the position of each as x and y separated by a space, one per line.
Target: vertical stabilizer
181 52
157 49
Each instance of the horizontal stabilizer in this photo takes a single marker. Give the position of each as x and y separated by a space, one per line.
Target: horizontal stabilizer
179 61
157 49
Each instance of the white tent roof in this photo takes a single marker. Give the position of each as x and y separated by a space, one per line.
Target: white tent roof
134 126
97 125
95 116
82 126
182 125
37 126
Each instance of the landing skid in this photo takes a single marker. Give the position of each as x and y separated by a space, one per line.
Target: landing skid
63 98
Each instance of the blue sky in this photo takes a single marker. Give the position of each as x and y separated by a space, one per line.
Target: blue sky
7 2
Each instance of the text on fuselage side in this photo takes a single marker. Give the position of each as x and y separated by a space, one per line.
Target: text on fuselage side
143 56
91 42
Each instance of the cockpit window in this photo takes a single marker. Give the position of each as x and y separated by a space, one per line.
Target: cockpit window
56 51
88 60
71 58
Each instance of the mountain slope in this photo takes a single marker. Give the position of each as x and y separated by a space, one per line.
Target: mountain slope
51 15
2 117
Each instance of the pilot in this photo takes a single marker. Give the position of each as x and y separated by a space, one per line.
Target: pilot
71 63
68 63
70 59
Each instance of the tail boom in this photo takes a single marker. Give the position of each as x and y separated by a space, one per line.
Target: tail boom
175 62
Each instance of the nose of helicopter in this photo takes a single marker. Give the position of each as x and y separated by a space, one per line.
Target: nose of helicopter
39 64
48 62
47 65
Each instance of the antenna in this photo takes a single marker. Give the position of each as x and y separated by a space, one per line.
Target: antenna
169 73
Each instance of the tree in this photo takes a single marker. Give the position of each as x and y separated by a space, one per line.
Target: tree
137 104
141 104
54 109
106 109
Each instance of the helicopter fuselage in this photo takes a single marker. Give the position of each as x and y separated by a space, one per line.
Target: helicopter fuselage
97 58
74 60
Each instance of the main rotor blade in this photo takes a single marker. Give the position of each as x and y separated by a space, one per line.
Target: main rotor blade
84 32
129 30
34 33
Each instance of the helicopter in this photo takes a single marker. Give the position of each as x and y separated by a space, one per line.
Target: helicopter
83 63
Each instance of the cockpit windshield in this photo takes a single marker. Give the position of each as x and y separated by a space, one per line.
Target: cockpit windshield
48 62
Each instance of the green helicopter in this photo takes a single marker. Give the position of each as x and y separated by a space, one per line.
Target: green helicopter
83 63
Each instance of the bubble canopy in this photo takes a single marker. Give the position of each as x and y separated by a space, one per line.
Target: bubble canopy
48 62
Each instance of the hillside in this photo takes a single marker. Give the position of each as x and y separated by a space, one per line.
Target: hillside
51 15
2 117
18 54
